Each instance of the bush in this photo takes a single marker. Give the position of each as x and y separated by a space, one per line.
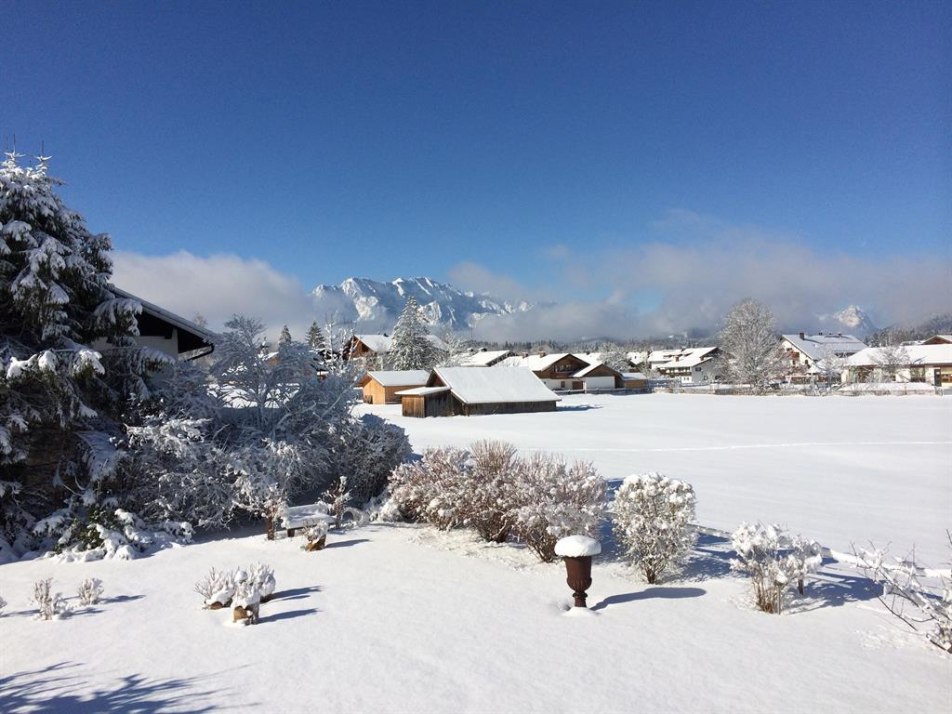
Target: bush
556 501
773 561
90 590
536 500
653 515
217 588
50 605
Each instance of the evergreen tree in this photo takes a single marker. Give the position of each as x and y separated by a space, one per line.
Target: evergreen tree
285 337
56 392
411 347
315 338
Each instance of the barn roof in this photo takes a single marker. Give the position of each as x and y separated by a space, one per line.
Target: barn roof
484 358
397 377
421 391
490 385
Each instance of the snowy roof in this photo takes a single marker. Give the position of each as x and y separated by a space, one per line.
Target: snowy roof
536 363
484 358
633 375
677 357
397 377
490 385
817 346
199 333
591 368
378 343
917 355
421 391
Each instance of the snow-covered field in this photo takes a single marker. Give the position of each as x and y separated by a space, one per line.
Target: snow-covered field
840 470
402 618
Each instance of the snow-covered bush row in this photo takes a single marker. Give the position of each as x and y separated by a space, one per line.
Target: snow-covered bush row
908 598
536 500
774 561
49 605
652 516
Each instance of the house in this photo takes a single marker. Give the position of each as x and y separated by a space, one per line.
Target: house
367 346
687 365
485 358
469 391
931 364
803 352
165 331
598 377
557 371
938 340
381 387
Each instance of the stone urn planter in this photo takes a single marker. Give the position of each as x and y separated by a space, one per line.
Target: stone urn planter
577 552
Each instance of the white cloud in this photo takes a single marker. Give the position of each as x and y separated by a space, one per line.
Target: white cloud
217 287
478 279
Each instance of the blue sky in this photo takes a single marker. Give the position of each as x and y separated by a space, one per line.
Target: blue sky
544 150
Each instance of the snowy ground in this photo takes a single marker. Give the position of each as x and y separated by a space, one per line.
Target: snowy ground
841 470
405 619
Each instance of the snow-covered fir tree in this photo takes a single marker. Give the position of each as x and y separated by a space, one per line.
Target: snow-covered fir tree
315 338
285 337
60 400
411 346
752 344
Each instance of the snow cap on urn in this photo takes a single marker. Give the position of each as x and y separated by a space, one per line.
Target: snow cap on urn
577 546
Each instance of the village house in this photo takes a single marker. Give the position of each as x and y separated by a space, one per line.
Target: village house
557 371
381 387
470 391
806 356
927 363
687 365
165 331
367 346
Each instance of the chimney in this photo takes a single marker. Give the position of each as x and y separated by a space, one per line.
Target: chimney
542 354
802 336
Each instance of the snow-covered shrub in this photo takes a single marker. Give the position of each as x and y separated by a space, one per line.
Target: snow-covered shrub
488 494
262 576
246 599
217 588
50 605
805 557
652 519
3 604
556 500
428 489
908 598
90 591
764 553
365 451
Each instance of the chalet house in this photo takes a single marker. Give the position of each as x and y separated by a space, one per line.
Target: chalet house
802 352
598 377
367 346
930 363
470 391
938 340
165 331
381 387
688 365
557 371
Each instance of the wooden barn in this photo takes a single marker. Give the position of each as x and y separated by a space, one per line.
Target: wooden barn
381 387
469 391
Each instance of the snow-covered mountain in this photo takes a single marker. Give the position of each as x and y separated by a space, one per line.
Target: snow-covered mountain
852 319
373 306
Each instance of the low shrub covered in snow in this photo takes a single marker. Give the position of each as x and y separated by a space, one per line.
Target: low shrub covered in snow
49 605
90 591
908 598
220 588
652 520
217 588
536 500
774 562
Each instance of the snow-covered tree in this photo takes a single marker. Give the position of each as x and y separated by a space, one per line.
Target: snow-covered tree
315 338
830 366
752 345
60 399
410 346
652 519
891 360
285 337
428 490
612 355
